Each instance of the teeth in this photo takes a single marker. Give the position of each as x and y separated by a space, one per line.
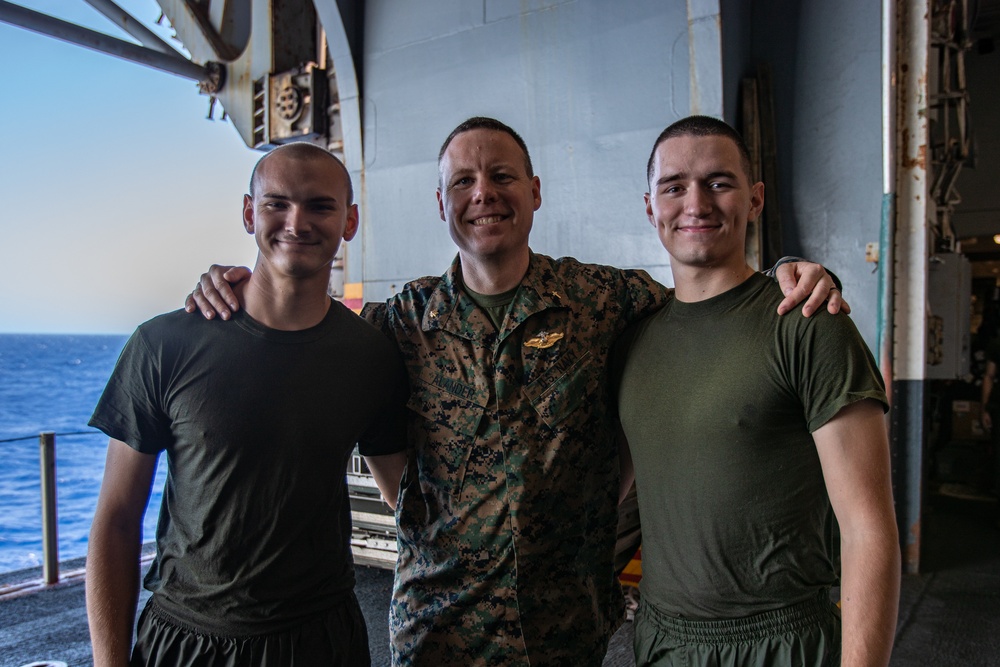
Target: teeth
489 220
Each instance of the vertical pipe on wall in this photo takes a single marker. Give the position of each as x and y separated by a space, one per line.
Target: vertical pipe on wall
889 92
909 273
705 57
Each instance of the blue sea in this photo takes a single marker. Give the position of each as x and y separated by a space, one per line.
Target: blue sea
52 383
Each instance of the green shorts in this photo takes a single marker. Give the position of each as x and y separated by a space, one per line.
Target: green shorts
802 635
338 638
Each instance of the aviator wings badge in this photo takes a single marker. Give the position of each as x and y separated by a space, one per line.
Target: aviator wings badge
544 340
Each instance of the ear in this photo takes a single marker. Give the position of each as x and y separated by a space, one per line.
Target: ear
351 228
649 209
441 205
248 213
536 191
756 200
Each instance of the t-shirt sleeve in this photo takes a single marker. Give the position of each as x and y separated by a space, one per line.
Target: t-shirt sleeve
834 367
129 409
617 359
387 434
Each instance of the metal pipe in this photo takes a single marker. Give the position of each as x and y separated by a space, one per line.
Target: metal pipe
911 249
97 41
132 26
886 236
50 533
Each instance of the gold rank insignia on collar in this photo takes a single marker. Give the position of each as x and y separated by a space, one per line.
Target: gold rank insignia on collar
433 314
544 340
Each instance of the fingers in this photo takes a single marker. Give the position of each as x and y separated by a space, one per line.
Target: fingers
792 299
211 301
208 308
788 276
805 281
799 280
214 295
229 274
836 303
820 293
223 279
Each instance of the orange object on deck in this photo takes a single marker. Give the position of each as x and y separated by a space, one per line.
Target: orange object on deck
632 573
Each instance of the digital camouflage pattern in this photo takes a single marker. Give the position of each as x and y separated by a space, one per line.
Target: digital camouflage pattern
507 514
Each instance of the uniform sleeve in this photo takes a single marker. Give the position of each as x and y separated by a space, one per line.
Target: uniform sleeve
129 409
376 314
834 368
643 295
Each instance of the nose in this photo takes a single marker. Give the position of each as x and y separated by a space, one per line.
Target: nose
697 202
297 220
485 191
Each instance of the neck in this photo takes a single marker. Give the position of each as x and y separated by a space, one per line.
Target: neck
697 283
286 304
487 276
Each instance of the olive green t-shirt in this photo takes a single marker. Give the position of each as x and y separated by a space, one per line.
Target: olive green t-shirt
718 400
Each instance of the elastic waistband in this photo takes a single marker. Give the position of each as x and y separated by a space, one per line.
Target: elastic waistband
225 628
745 629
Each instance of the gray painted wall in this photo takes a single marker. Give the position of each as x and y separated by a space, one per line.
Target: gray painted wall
826 62
588 83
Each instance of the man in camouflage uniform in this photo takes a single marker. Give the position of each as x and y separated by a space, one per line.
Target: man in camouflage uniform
506 509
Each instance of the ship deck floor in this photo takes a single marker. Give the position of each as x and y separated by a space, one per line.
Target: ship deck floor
948 616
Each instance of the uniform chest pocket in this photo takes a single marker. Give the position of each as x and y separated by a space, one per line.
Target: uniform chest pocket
557 397
446 408
446 433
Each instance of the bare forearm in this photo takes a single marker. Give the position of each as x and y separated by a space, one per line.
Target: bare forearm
869 597
388 471
626 479
625 466
112 592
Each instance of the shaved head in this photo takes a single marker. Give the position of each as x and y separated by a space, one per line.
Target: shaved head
300 150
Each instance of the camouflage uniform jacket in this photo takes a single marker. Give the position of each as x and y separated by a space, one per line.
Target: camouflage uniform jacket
507 511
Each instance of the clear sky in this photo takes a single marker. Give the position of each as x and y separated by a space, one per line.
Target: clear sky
116 192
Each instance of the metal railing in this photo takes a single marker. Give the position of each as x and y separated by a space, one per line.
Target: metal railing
47 470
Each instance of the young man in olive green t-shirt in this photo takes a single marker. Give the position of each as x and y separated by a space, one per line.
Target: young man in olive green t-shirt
744 429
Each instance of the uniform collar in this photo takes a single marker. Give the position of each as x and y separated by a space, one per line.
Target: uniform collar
449 307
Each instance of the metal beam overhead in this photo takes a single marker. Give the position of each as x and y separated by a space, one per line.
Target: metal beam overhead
209 77
129 24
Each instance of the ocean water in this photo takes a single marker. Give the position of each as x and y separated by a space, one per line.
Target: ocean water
52 383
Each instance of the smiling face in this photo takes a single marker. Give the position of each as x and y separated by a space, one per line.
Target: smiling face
299 213
487 198
700 201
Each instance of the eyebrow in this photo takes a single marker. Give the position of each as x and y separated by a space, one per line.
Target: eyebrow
680 176
310 200
502 165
